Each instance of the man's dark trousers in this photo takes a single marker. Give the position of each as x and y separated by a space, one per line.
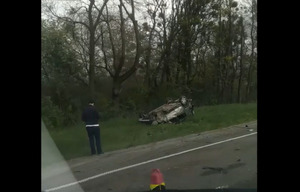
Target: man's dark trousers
94 137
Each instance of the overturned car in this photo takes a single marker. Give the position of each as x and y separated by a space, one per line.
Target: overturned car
174 111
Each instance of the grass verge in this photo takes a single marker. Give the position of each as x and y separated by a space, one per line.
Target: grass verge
121 133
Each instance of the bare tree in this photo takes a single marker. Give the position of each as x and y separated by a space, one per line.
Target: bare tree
167 31
84 20
253 10
120 70
241 58
152 10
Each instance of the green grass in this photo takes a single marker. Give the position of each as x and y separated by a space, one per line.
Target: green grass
123 133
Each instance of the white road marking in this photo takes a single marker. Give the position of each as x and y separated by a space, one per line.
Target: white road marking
145 162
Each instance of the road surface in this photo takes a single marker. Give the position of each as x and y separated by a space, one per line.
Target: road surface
219 159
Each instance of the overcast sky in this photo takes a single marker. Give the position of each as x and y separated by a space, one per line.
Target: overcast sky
60 5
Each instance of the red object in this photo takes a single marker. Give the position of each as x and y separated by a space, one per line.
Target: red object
156 177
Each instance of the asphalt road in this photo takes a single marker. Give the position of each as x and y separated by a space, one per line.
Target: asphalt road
220 159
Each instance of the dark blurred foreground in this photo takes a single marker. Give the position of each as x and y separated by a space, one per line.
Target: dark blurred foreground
208 190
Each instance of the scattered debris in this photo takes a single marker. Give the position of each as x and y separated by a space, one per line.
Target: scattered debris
220 169
222 187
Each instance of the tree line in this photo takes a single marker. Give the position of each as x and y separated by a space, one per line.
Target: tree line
129 55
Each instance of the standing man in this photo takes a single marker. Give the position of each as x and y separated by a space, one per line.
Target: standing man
91 118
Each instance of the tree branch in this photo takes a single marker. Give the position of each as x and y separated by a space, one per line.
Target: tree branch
68 19
105 58
111 40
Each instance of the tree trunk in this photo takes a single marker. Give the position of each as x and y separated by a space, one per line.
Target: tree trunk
116 90
92 65
241 62
120 75
249 79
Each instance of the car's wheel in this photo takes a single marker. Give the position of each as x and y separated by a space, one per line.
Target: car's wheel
183 100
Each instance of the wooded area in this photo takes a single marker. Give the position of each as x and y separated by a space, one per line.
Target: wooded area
130 56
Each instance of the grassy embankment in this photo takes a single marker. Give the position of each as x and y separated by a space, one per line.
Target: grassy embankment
122 133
